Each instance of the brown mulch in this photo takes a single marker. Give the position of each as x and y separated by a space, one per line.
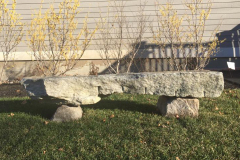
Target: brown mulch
12 90
231 74
229 85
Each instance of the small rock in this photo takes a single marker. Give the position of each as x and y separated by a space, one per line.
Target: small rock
65 113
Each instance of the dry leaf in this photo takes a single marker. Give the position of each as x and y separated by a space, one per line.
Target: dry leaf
11 114
216 108
60 149
44 152
104 120
177 158
168 122
112 116
40 101
24 102
159 125
46 122
163 126
177 116
18 91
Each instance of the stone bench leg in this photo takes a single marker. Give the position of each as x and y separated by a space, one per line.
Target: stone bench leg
173 106
66 113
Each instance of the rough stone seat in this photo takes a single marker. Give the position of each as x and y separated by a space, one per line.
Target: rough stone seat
80 90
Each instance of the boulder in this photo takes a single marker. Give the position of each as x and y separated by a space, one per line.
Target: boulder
182 107
79 90
66 113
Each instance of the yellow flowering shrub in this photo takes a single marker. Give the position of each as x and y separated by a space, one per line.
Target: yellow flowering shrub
187 41
11 31
55 40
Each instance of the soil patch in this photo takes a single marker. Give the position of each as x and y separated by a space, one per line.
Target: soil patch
231 74
12 90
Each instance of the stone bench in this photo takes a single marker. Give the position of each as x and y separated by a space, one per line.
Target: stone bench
178 91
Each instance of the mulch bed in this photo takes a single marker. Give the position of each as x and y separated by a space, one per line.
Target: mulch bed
229 85
12 90
231 74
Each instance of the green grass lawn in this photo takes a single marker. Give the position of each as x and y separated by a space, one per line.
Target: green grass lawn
136 131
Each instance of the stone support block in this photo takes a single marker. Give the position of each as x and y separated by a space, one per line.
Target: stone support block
182 107
66 113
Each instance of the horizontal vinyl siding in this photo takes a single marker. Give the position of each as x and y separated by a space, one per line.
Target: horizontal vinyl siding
226 12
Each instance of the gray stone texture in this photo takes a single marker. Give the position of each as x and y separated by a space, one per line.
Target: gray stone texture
182 107
85 89
66 113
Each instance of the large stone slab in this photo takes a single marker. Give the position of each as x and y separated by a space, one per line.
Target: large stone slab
85 89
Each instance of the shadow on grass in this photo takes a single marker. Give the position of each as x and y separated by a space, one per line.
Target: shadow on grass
32 107
122 105
47 109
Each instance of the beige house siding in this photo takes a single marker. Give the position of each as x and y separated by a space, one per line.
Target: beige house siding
226 12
